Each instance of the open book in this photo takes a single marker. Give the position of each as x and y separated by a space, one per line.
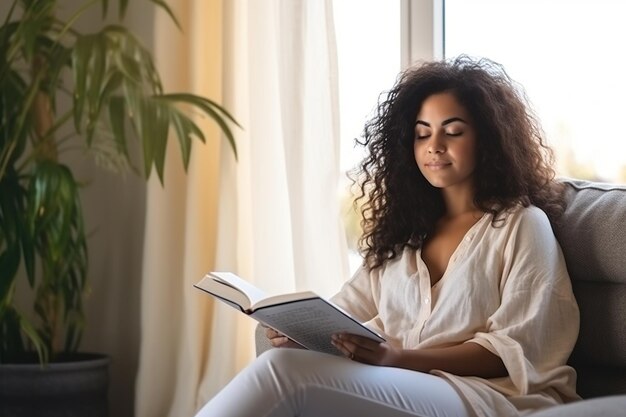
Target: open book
304 317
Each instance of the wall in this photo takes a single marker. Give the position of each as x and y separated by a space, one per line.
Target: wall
114 213
114 210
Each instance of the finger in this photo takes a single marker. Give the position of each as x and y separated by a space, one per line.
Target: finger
359 341
291 344
338 343
374 357
343 348
271 333
279 341
350 344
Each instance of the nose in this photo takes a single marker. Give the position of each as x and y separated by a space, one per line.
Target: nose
435 144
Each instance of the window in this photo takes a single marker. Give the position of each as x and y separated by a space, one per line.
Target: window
568 56
565 53
368 51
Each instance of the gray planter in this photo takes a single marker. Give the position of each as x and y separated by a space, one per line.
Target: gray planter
71 388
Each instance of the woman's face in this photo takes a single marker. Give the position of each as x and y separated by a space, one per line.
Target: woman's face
445 142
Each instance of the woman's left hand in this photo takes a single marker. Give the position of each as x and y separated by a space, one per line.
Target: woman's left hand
366 350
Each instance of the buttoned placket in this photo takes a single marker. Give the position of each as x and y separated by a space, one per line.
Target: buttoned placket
425 289
425 305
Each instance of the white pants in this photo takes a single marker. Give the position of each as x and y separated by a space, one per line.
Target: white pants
301 383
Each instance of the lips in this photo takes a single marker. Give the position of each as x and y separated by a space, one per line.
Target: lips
437 164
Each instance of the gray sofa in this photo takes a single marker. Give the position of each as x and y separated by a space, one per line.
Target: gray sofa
592 234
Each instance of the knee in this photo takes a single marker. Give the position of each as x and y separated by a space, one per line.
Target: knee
291 367
277 371
278 358
292 374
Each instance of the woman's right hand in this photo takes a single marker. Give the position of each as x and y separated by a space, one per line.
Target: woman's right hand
279 340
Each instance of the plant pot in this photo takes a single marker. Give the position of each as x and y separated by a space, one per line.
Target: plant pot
75 386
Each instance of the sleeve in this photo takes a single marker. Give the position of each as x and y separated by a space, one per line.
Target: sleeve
536 325
358 296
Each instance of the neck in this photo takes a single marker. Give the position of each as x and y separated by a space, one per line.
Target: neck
459 200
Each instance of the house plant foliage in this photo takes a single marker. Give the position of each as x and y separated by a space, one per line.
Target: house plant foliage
117 110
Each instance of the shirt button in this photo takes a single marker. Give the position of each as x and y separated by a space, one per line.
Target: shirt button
426 300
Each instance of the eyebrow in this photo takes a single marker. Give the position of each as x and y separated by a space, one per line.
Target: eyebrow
444 123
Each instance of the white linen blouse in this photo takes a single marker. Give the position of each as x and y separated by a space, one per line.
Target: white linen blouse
506 287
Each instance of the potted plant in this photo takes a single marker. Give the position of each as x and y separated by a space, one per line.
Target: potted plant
115 101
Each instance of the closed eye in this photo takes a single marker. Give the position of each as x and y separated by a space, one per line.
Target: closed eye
454 133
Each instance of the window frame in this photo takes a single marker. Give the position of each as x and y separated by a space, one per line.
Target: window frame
421 31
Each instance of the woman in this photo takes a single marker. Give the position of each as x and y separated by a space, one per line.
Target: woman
462 273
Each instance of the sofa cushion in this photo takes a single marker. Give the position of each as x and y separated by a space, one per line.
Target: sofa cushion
592 234
592 231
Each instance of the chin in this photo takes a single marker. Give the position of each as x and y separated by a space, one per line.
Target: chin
437 182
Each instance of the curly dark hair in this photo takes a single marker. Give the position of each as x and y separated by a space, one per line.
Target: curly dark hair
514 164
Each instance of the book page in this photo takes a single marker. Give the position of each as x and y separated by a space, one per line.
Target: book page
253 293
224 291
283 299
311 323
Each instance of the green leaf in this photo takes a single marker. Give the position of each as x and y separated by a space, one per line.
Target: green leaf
9 264
212 109
94 83
152 79
162 124
133 60
11 234
57 221
117 117
58 58
11 343
201 102
10 45
105 7
123 7
29 330
13 325
21 126
145 132
13 128
36 19
185 129
169 11
110 85
80 64
53 196
129 68
133 98
10 13
69 23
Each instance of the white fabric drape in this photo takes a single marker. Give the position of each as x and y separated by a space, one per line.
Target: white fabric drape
272 216
280 79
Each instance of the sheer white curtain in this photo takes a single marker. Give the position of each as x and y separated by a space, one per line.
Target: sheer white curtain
279 212
272 216
280 78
